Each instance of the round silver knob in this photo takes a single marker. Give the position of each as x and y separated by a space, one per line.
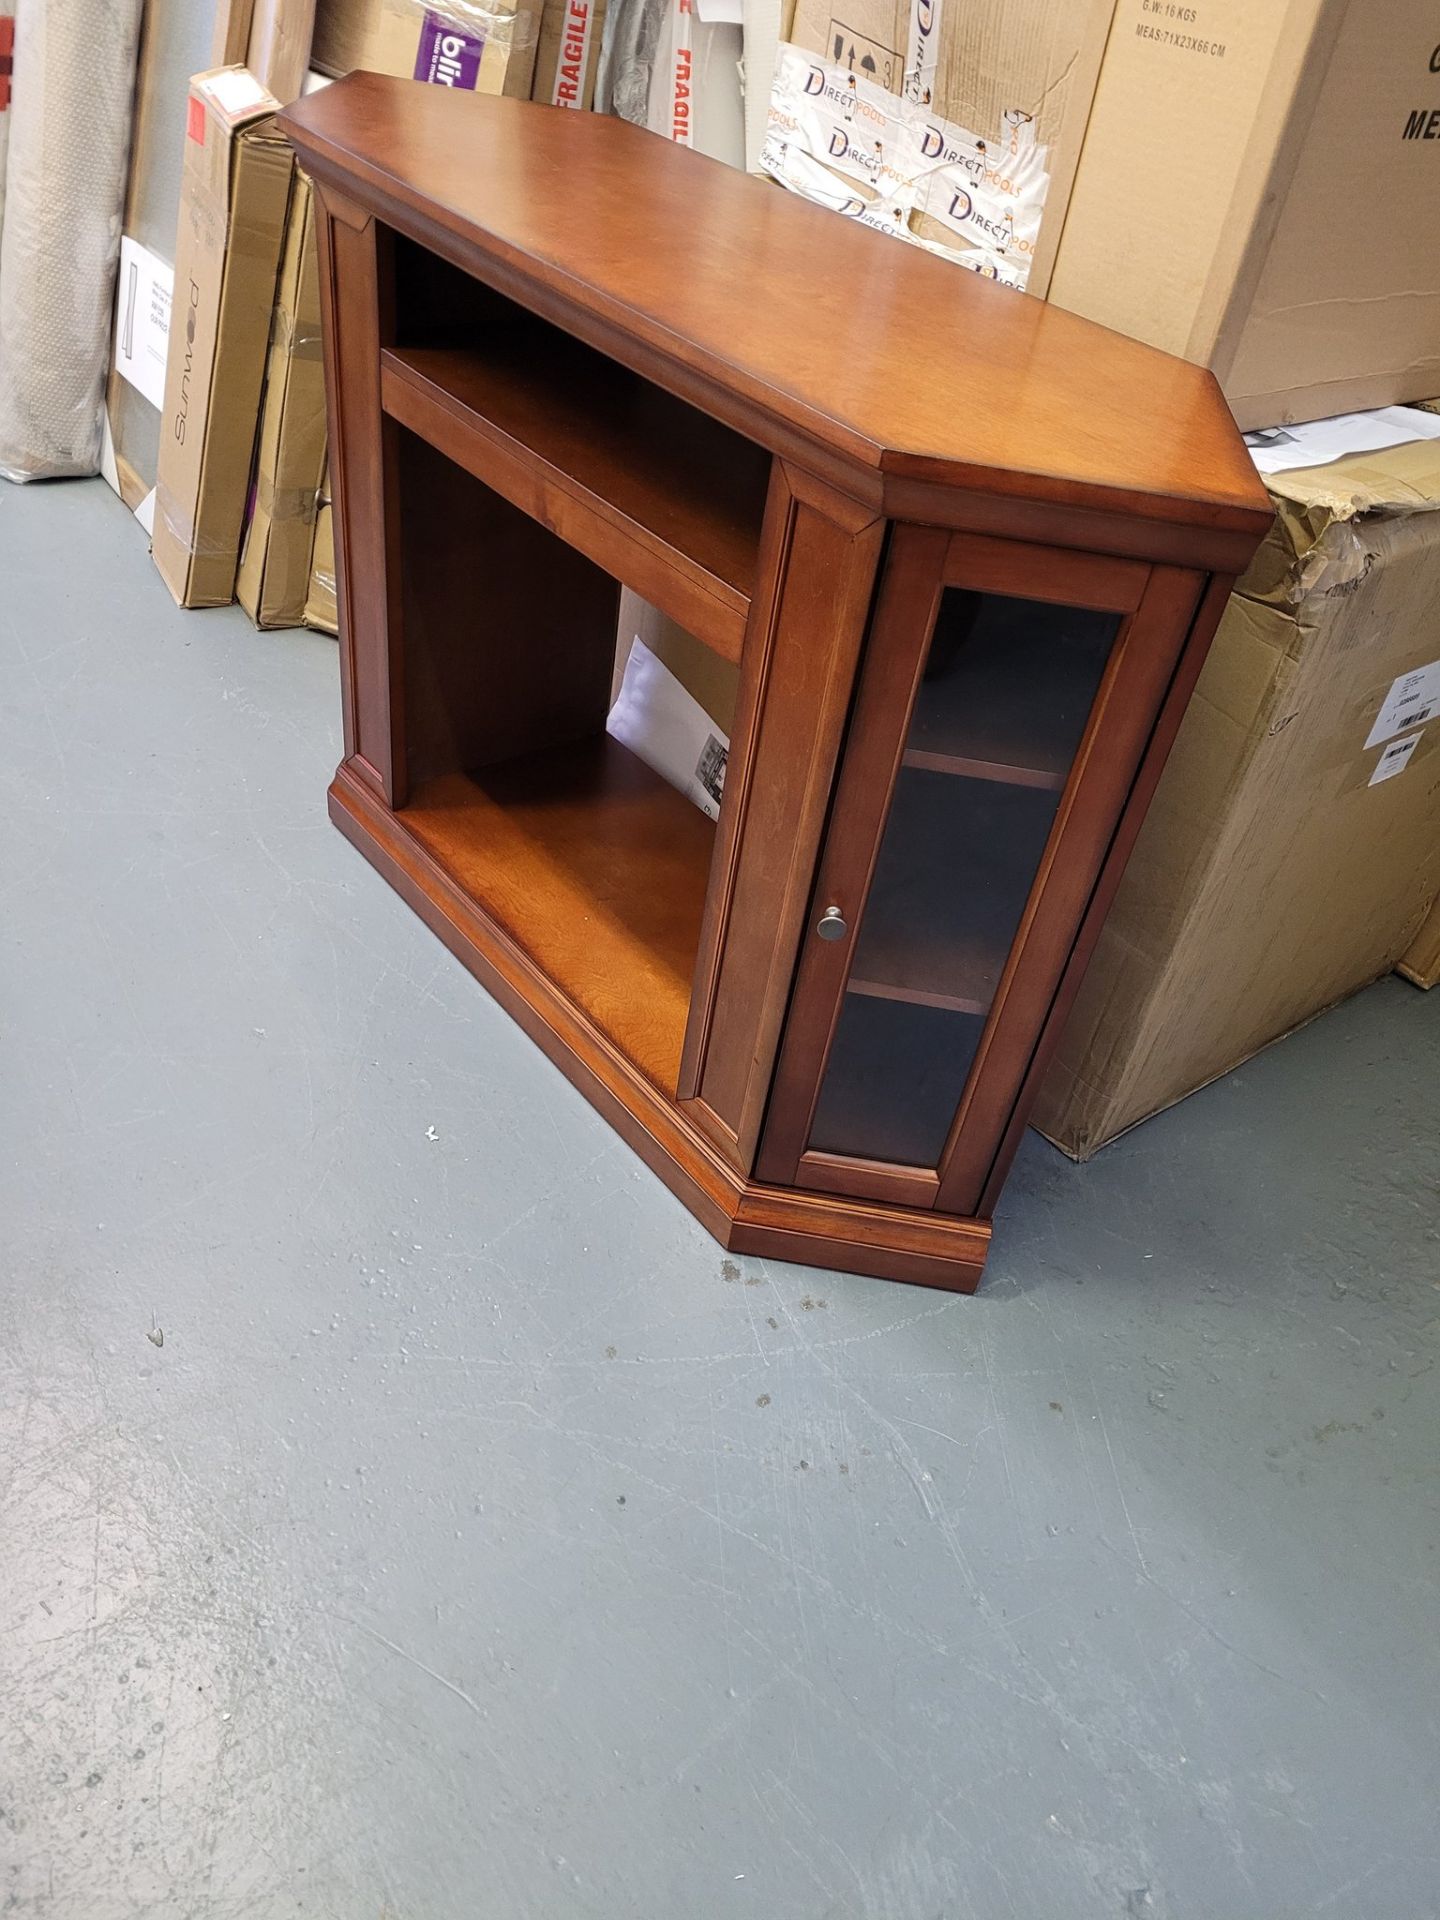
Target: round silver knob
832 924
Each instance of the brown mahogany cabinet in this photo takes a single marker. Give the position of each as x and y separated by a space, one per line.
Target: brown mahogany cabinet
964 551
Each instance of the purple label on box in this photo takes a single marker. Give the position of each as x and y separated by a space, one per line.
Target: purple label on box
448 56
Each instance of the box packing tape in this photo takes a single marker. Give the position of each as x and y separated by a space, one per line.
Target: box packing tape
889 160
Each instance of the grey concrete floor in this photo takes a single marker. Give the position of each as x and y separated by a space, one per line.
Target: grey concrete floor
479 1544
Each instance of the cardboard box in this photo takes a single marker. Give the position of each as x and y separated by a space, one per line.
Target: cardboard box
978 109
1259 192
1293 847
453 43
320 607
274 576
233 200
568 52
1420 961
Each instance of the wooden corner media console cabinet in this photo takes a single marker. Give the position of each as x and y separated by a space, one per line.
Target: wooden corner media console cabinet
965 552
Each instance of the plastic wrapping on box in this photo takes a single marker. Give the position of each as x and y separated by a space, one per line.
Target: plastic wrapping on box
65 189
465 44
7 53
892 161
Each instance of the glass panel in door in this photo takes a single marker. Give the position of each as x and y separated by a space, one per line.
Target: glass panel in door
1001 709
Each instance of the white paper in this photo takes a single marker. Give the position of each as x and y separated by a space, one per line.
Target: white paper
1413 699
721 13
1318 442
142 319
664 725
1395 758
145 513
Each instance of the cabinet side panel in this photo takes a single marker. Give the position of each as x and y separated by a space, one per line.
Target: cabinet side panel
356 290
818 564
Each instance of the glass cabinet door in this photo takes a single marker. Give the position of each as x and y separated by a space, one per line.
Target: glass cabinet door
961 772
1006 691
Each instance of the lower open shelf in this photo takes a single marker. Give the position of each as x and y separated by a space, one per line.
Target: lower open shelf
597 869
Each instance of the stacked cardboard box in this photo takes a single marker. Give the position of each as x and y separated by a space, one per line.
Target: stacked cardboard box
321 610
568 52
1293 847
1258 193
1249 186
1420 961
234 198
451 43
274 572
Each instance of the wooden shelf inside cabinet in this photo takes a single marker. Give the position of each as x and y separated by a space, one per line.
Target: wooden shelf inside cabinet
945 904
595 867
631 476
1012 711
963 550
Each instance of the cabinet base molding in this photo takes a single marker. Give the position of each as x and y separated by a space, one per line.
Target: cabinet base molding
744 1216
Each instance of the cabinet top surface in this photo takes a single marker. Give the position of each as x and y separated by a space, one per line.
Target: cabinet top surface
879 353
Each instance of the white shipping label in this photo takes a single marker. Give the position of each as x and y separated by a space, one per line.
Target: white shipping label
1395 758
236 92
1413 699
142 319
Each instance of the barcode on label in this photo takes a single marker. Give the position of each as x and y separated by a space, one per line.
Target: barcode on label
1395 758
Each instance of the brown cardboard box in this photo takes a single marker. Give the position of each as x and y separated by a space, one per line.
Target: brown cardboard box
320 608
1259 192
1004 71
274 575
453 43
234 194
568 52
1275 872
1420 961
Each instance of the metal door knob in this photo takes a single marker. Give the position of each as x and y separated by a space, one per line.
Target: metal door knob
832 924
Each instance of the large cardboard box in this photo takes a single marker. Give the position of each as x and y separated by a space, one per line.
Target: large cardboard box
321 611
1420 961
233 200
1293 847
451 43
274 576
1259 192
958 122
568 52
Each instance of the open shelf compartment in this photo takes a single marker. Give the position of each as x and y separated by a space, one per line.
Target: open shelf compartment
580 855
625 472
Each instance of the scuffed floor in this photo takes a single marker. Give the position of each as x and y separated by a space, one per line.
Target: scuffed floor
407 1511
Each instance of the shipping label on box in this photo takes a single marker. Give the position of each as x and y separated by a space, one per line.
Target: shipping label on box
144 291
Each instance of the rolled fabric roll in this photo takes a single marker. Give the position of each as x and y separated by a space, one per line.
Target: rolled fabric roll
65 193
